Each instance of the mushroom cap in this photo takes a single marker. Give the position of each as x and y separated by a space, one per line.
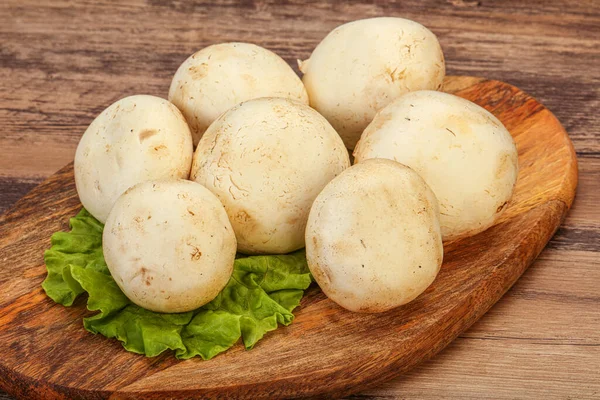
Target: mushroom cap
136 139
218 77
169 245
361 66
266 160
373 239
461 150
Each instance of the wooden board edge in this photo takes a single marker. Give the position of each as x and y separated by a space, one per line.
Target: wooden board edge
25 387
13 212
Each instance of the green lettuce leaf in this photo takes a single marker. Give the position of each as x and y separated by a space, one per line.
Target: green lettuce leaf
261 294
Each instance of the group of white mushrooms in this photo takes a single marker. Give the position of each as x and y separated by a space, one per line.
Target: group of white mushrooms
246 157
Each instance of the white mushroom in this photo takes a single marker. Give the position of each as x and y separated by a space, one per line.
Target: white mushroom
463 152
220 76
267 159
373 239
361 66
136 139
169 245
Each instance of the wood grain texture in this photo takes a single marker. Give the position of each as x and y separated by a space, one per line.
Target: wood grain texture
327 350
61 63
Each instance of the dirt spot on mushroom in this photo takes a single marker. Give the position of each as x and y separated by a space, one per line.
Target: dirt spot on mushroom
161 149
457 124
142 271
279 110
343 248
196 253
139 223
503 166
146 134
501 207
243 217
322 274
198 72
396 74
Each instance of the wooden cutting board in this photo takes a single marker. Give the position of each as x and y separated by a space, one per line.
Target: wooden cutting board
46 353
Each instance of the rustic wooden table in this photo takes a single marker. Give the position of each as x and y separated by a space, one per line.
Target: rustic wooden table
61 63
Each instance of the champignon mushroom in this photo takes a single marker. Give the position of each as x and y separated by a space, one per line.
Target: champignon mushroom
361 66
373 238
267 159
136 139
461 150
218 77
169 245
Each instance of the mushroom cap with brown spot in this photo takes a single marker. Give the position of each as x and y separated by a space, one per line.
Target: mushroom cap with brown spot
169 245
463 152
361 66
267 159
373 238
136 139
218 77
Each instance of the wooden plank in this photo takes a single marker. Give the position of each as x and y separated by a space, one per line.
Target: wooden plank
541 340
470 369
497 42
